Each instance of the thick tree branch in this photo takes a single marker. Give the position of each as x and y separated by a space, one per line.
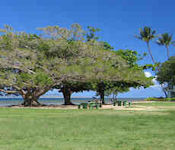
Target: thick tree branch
8 92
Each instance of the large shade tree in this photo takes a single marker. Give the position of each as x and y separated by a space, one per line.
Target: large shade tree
24 67
31 65
132 58
22 71
130 75
102 86
109 70
80 50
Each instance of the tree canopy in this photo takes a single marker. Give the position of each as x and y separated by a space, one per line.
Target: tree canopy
166 73
31 64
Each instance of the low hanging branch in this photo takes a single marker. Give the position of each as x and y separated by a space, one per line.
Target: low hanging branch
8 92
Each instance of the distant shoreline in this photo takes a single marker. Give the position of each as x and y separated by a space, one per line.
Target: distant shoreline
10 97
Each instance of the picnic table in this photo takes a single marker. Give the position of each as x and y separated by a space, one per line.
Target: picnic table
89 105
120 103
96 104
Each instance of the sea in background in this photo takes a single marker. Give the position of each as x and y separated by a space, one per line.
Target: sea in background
8 101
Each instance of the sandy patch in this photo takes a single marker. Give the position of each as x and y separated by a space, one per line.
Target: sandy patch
129 108
132 107
50 107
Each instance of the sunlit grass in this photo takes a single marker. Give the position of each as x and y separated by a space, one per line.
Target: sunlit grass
51 129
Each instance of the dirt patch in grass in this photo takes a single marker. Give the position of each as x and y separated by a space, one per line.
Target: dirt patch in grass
50 107
136 106
129 108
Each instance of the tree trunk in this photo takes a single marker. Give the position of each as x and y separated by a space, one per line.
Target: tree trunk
31 95
101 92
166 95
102 97
67 96
150 53
168 55
30 101
164 91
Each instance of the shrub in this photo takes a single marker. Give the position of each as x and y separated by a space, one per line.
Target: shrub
159 99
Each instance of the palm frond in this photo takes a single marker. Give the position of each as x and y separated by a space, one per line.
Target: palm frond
146 34
165 39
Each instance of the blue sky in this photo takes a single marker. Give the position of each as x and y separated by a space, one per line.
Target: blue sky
119 21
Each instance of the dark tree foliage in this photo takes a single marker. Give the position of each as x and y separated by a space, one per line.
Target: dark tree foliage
166 73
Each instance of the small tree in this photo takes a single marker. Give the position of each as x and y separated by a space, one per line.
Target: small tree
166 73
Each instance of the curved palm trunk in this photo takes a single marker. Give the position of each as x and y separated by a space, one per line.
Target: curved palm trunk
168 55
150 53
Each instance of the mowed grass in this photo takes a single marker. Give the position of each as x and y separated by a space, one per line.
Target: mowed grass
51 129
158 103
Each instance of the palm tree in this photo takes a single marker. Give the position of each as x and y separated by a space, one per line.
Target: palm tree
165 40
146 35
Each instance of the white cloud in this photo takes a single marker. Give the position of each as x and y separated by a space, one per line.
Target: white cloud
156 83
148 74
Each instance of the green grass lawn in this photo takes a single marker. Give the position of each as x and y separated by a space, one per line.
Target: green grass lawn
158 103
46 129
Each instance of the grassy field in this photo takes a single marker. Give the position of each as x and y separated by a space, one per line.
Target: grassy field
51 129
156 103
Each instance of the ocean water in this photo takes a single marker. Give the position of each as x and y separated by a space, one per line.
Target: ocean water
8 101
